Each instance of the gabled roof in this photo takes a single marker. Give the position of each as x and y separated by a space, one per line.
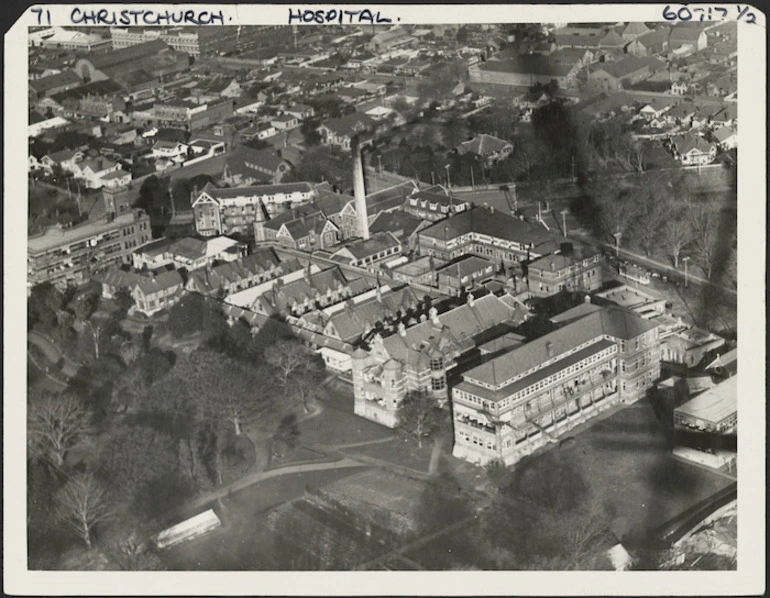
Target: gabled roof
350 124
63 155
367 247
390 198
160 282
722 134
689 142
629 65
484 145
465 267
254 190
685 34
296 213
126 55
401 224
612 40
492 223
329 202
458 327
351 322
655 37
635 28
244 158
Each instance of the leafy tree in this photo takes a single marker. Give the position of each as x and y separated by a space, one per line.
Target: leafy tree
45 306
134 456
82 504
55 424
309 130
147 337
186 315
419 416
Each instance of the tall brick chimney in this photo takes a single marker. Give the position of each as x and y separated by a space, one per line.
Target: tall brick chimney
359 190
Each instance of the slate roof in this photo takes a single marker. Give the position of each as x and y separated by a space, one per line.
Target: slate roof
329 202
458 327
376 243
685 35
464 267
494 224
240 159
400 224
390 198
617 323
723 133
350 322
655 37
159 282
612 40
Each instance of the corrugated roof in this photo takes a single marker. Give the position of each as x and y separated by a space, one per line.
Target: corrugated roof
715 404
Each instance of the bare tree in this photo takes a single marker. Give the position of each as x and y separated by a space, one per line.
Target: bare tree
676 235
618 210
636 152
704 220
81 504
55 424
653 210
419 416
287 357
94 330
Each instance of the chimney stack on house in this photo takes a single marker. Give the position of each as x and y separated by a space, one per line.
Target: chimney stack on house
359 190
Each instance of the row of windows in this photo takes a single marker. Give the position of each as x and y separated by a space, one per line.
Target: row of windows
488 443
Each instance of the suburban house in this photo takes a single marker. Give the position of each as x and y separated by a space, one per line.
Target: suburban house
339 132
726 138
248 166
489 148
366 253
300 111
169 150
187 253
284 122
513 404
680 87
151 292
93 170
66 159
425 356
116 179
693 150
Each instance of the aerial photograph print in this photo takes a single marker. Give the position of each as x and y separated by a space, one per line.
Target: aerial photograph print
382 296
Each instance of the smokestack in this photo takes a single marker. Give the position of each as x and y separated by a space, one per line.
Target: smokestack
358 188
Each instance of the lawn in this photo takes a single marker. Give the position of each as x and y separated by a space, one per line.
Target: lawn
406 454
335 426
628 466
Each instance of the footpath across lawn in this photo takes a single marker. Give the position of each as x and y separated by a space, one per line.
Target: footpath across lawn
334 427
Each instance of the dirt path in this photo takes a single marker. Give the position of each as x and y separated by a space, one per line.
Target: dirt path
52 352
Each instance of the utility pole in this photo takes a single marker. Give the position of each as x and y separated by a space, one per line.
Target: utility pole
379 161
564 221
448 182
473 183
685 260
515 200
80 213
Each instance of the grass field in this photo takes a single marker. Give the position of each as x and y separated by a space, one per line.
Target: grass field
628 466
335 426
